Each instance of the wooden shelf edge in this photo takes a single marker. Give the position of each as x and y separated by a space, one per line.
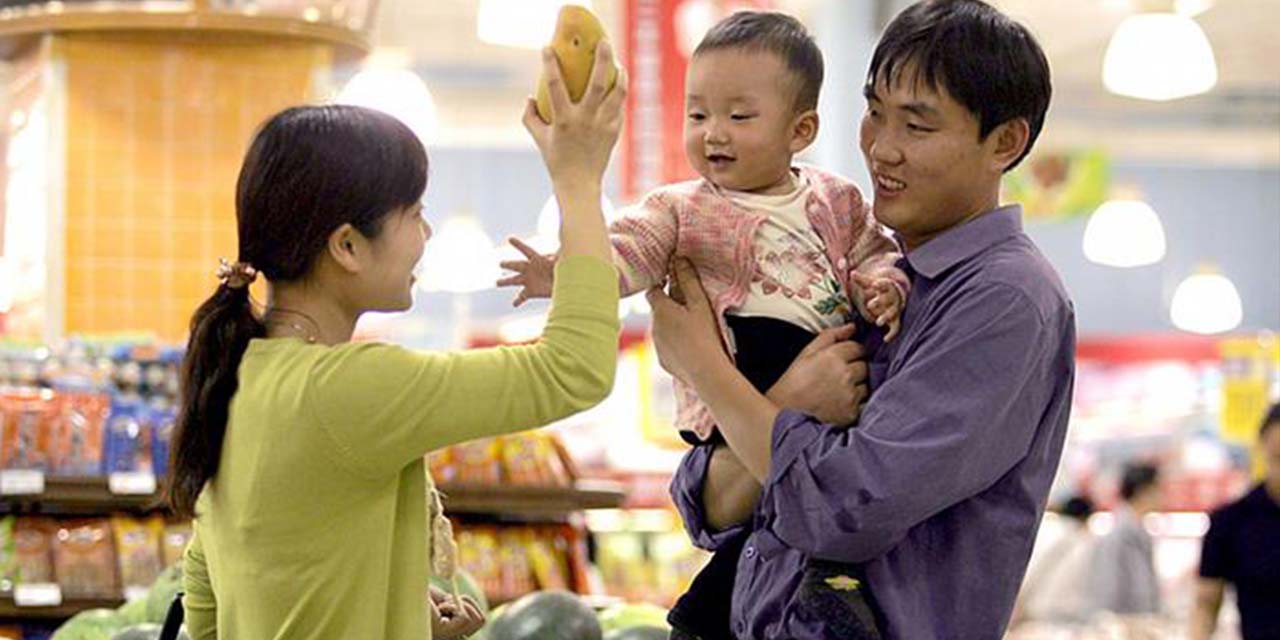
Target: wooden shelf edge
9 610
82 493
488 499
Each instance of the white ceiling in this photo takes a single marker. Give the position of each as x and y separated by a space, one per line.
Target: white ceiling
480 88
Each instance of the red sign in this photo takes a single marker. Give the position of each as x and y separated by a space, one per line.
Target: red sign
660 36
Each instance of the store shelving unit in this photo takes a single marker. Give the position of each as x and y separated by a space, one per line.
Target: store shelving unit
533 502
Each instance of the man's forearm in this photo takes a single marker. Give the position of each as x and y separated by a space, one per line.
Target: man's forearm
745 417
730 493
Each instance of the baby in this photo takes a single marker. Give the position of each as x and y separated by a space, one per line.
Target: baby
783 251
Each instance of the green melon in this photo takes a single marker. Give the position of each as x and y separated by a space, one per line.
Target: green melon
93 624
546 615
162 593
144 631
627 615
639 633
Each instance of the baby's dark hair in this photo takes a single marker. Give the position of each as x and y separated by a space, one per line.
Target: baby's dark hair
776 33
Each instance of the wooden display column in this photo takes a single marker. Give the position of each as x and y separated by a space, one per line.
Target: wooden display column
131 129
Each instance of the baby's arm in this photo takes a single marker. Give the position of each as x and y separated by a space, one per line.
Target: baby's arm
643 240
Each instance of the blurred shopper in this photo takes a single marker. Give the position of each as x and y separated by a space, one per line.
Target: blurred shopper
1057 588
1122 577
1243 547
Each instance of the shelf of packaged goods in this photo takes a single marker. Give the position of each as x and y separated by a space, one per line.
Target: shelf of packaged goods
80 494
501 500
11 611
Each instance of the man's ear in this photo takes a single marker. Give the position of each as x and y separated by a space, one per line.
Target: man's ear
347 246
1007 143
804 130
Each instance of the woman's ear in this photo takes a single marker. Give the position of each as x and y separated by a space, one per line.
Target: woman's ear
347 247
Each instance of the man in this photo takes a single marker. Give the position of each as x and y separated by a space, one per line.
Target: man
1122 576
940 488
1242 547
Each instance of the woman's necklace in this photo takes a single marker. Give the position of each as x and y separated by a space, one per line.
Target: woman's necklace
310 335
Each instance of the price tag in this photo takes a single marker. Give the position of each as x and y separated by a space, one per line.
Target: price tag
40 594
132 483
21 482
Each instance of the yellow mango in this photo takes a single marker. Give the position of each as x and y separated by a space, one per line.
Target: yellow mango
578 31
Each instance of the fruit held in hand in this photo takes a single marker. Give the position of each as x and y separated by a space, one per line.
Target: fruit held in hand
578 31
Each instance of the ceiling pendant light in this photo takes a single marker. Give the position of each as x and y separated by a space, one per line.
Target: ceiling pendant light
1207 302
1159 56
1124 233
388 85
525 24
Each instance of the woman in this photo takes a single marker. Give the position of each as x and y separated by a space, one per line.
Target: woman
300 454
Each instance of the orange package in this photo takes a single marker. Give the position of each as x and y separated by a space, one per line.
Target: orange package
549 564
78 434
26 430
33 549
84 559
478 556
138 550
517 575
477 463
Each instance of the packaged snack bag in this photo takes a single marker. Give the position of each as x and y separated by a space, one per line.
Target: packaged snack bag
138 550
478 556
84 559
33 546
520 461
79 432
128 443
27 430
163 417
477 462
517 575
549 564
176 537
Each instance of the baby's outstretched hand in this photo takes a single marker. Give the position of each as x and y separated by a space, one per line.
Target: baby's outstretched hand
883 301
535 274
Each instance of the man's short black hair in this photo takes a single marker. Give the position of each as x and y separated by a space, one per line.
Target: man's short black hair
986 61
776 33
1136 478
1272 421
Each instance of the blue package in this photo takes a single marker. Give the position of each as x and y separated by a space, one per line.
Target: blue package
163 418
128 438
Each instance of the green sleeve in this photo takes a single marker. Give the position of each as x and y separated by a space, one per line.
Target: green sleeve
383 407
200 606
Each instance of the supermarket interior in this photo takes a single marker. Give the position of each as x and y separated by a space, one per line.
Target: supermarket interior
1154 191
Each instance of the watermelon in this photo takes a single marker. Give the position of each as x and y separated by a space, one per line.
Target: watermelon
546 615
162 593
133 611
627 615
144 631
93 624
639 633
467 586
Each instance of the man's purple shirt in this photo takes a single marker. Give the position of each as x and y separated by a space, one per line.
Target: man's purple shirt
940 488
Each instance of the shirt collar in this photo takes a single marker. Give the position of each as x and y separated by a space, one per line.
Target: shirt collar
960 243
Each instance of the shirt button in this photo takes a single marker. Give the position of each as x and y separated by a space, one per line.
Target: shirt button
750 553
